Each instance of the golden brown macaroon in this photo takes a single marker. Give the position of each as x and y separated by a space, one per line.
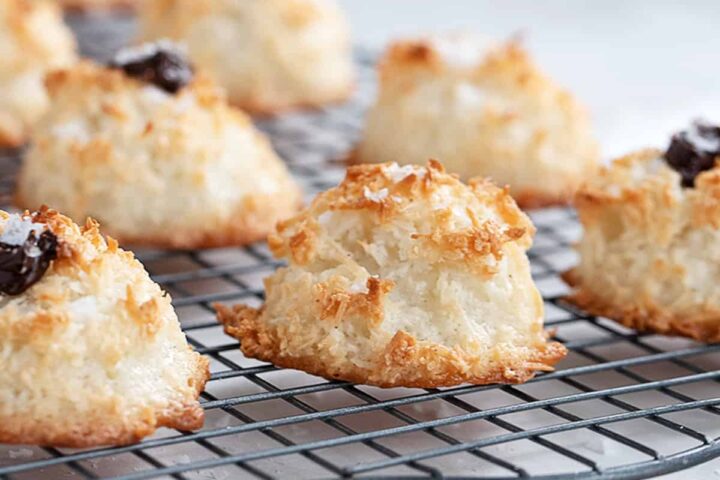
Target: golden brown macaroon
270 55
91 351
402 276
165 165
650 252
486 110
33 40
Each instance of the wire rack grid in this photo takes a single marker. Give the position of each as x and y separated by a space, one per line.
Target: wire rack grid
622 405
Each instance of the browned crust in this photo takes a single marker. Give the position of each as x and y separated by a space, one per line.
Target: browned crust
336 304
651 205
508 61
421 54
185 416
10 140
351 157
252 223
86 6
237 234
473 246
244 229
404 363
258 108
527 199
703 327
300 245
90 75
590 196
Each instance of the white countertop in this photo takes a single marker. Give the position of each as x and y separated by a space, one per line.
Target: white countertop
644 68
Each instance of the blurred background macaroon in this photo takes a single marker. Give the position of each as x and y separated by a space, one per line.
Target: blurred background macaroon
33 40
149 146
270 55
485 109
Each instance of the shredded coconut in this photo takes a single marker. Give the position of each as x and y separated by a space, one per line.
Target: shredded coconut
469 95
84 306
185 103
376 197
154 95
18 228
459 211
359 287
642 171
266 185
75 130
614 190
325 218
656 165
397 173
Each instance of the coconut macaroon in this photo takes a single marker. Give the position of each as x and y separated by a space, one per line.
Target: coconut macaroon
485 109
154 153
270 55
402 276
33 39
650 252
90 347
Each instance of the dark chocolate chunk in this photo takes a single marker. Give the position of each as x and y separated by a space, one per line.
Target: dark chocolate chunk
21 266
693 151
160 65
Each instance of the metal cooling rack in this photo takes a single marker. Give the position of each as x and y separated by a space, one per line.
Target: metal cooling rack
622 405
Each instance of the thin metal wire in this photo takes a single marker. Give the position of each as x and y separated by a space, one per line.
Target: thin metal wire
662 384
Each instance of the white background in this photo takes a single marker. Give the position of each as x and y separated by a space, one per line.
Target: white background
644 68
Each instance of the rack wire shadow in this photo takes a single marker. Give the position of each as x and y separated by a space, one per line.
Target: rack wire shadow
622 405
